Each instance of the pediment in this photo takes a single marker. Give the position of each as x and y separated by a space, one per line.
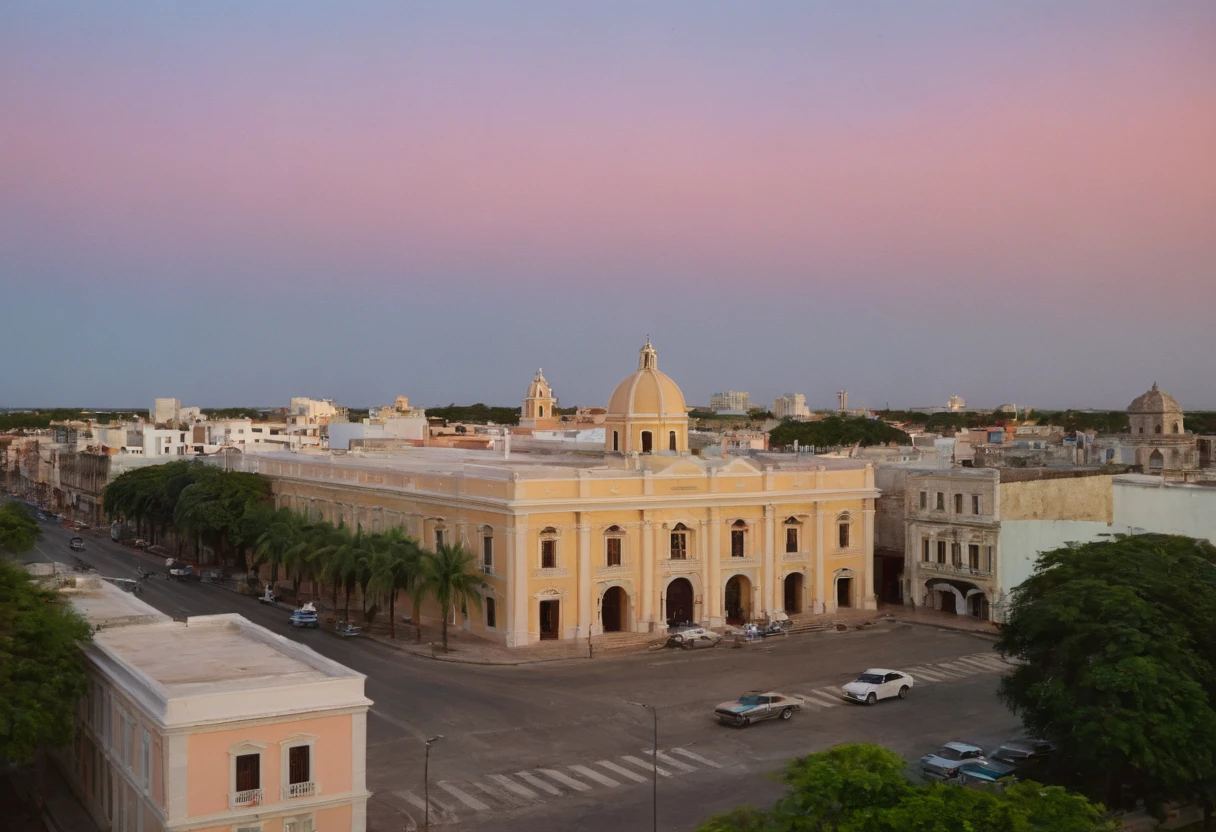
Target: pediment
738 465
684 468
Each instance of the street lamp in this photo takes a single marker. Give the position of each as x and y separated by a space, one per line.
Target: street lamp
426 779
655 787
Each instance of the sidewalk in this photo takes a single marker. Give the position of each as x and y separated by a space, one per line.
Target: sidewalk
941 620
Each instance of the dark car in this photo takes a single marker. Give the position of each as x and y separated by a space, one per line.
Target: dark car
985 772
1022 752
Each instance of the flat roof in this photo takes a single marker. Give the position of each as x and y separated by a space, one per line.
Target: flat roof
105 605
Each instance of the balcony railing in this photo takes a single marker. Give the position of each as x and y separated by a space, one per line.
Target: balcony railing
248 797
307 789
956 569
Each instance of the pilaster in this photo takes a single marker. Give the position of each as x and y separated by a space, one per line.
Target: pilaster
585 601
823 587
706 586
717 617
868 600
648 570
517 582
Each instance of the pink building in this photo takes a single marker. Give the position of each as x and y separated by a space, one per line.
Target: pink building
214 724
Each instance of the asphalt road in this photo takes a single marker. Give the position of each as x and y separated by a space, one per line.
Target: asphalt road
562 746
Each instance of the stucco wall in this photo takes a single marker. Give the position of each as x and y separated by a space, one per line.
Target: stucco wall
1152 506
1022 541
1077 498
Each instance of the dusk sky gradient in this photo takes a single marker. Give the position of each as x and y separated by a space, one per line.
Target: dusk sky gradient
235 203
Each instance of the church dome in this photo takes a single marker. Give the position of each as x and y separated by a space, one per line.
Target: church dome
1155 401
647 392
539 388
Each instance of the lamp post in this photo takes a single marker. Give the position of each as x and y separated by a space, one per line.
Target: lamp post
426 780
655 786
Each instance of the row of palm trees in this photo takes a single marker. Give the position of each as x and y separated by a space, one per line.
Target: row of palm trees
378 565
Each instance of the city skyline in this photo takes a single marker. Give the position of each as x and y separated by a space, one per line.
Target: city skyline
233 205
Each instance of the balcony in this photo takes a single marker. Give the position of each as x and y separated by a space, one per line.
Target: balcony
677 565
306 789
248 797
955 569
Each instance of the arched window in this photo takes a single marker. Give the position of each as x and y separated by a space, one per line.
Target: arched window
671 440
548 548
1177 428
792 529
1156 461
441 532
738 539
679 542
614 543
1157 429
844 524
616 441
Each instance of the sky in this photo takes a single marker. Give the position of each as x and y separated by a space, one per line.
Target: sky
236 203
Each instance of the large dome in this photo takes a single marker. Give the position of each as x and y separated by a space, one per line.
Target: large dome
1155 401
647 392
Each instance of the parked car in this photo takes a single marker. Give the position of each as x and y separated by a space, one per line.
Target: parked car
878 683
1021 752
76 544
972 773
944 763
753 707
693 637
304 618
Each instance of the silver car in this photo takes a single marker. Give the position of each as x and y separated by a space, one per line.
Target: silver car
945 762
753 707
694 637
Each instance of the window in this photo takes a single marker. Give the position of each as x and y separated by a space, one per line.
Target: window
616 441
973 556
647 442
924 549
303 824
924 499
671 440
548 548
487 552
976 504
491 614
540 411
439 539
145 761
987 558
679 542
842 530
791 535
941 501
612 547
1157 429
738 539
248 772
956 554
941 551
299 768
958 503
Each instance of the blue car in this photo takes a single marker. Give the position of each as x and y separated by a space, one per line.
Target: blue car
304 618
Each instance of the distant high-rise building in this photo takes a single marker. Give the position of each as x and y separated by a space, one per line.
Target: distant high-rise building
843 396
791 406
957 403
730 400
166 411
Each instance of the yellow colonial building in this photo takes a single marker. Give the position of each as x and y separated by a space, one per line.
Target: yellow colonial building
639 537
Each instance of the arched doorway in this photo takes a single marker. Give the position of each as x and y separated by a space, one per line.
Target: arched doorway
977 605
679 602
1156 461
614 609
737 600
793 593
949 601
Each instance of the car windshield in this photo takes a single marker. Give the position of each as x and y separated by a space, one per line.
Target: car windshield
750 700
951 754
870 678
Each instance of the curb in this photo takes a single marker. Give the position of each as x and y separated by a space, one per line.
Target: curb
937 626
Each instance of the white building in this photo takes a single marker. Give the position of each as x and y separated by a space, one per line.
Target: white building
791 406
166 412
734 400
407 427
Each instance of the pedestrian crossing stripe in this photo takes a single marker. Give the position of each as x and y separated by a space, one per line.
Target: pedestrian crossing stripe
533 780
823 699
640 763
621 770
592 774
667 760
464 797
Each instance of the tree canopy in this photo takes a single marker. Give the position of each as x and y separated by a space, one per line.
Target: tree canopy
863 788
477 413
836 431
42 673
18 531
1118 640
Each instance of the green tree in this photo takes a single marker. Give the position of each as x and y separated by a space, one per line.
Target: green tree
448 576
279 537
836 431
396 565
42 676
1118 640
18 531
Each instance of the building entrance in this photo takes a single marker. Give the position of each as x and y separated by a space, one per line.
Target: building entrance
550 619
679 602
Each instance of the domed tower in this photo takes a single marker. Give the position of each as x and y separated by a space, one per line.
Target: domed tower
646 413
1162 445
539 404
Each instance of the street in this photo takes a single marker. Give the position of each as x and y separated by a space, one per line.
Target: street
563 746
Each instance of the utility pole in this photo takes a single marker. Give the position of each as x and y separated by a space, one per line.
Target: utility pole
426 780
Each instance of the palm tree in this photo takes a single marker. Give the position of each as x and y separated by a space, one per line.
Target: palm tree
448 575
342 560
396 565
281 536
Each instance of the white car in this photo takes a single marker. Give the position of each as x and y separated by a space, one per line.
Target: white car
694 637
877 683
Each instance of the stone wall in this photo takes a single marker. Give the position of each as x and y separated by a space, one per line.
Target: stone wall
1086 498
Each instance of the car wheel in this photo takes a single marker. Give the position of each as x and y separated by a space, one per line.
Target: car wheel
746 722
903 692
687 645
787 713
871 699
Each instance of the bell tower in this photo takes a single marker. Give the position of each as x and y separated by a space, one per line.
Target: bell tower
538 405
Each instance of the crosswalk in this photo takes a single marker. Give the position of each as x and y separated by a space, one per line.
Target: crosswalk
450 800
922 674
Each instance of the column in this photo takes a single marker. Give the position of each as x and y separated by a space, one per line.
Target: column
913 552
517 582
823 586
703 554
716 602
768 574
586 604
647 572
868 599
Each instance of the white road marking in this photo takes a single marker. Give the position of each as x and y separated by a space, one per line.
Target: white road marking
465 798
827 700
565 779
507 783
960 669
621 770
947 673
686 753
437 808
651 767
501 796
592 774
989 661
665 759
533 780
926 675
980 665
